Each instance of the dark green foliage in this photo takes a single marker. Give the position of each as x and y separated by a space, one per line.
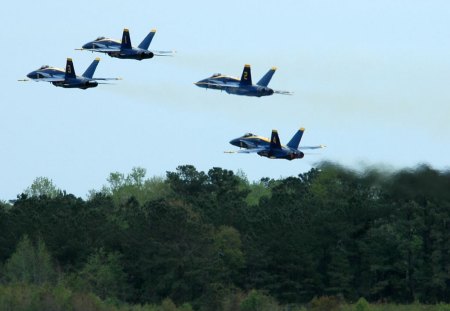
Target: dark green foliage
205 238
103 275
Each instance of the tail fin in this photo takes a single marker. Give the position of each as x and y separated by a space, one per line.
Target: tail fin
126 41
295 141
147 40
266 79
275 140
246 78
70 70
89 73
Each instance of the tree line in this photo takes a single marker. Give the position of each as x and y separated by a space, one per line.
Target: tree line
211 238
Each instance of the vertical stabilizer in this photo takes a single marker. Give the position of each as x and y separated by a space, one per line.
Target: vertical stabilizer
70 70
147 40
275 140
295 141
266 79
89 73
246 78
126 41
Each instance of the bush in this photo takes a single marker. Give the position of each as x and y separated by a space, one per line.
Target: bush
362 305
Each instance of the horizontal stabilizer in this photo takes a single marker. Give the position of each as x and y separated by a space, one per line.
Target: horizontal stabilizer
164 53
283 92
312 147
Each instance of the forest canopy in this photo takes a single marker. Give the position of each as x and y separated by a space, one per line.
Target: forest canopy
204 237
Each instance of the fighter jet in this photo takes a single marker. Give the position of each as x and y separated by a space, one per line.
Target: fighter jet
123 49
272 148
242 86
67 78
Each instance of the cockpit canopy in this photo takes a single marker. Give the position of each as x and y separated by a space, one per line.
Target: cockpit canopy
99 38
44 67
248 134
216 75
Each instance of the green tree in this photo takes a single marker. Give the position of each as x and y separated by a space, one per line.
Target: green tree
42 186
30 263
103 274
134 185
229 256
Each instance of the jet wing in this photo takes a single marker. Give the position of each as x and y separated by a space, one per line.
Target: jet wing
218 85
51 79
311 147
253 150
106 79
104 50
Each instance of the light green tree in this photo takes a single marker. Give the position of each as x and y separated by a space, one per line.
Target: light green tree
42 186
30 263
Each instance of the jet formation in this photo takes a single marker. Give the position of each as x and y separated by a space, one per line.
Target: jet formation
242 86
272 148
123 49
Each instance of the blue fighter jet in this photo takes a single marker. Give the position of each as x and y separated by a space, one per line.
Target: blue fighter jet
272 148
123 49
67 78
242 86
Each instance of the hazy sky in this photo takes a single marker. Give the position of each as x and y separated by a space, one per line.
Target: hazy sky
371 81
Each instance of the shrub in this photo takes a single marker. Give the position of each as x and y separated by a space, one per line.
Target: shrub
362 305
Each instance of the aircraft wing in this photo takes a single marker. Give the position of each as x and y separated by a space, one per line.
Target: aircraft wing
102 48
218 85
311 147
50 79
253 150
106 79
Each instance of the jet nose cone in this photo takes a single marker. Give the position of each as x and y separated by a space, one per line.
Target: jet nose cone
201 83
31 75
88 45
236 142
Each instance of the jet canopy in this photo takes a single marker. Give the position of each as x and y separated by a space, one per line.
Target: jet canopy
216 75
99 38
44 67
248 134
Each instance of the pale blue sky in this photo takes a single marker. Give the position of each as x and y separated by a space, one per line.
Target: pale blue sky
371 81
